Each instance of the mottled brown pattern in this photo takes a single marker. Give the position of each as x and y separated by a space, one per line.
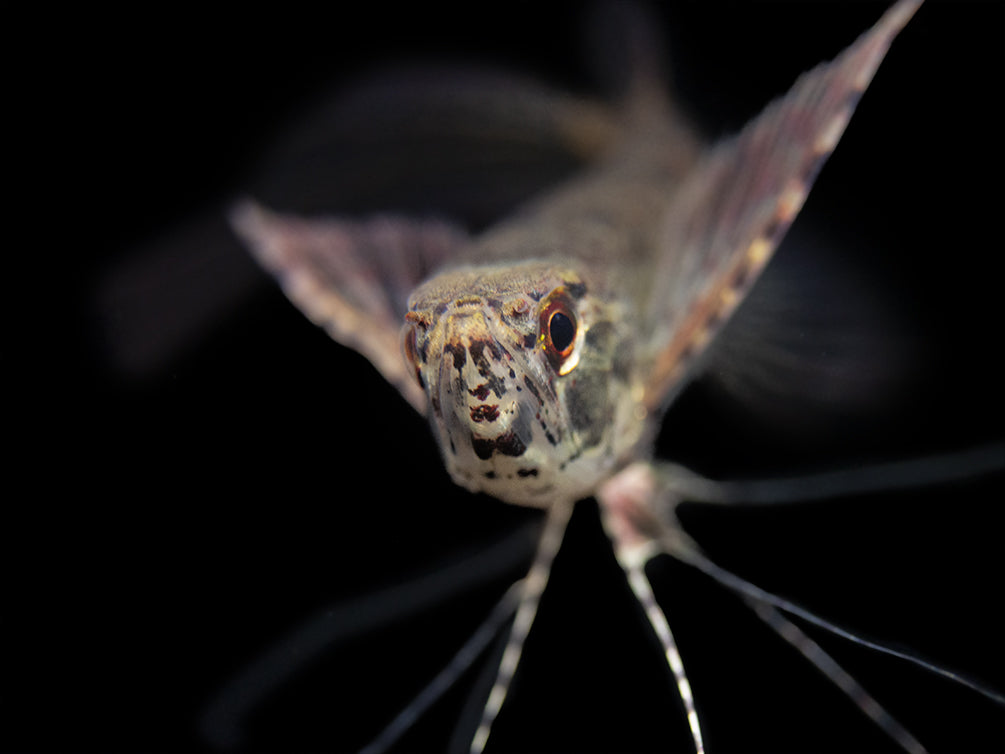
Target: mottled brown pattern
484 413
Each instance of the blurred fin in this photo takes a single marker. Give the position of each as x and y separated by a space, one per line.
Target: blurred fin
168 293
628 52
466 142
224 718
816 339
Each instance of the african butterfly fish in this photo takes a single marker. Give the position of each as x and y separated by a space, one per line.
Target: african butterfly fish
545 351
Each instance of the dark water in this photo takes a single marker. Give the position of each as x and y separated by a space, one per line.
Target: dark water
192 502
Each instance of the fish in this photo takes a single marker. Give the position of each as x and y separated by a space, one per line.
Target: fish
546 380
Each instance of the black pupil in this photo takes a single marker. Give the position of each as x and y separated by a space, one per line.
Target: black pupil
562 331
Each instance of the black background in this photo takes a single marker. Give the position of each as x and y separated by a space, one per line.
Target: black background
171 518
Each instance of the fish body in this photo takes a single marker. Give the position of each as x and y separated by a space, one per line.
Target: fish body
612 256
477 336
563 410
532 367
545 351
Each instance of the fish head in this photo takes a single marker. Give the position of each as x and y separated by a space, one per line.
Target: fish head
527 380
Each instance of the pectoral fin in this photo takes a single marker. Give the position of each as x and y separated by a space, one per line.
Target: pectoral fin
353 278
731 213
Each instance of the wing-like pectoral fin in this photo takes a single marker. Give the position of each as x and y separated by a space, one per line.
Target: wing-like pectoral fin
731 213
352 278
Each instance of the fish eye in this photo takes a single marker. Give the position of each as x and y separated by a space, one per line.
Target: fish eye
410 349
562 331
557 330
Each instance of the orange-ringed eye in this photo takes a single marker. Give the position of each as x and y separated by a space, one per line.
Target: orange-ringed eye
558 328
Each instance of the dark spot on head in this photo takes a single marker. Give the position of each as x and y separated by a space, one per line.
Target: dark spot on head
529 340
533 390
477 349
484 413
459 353
526 472
510 445
481 392
576 290
490 475
483 448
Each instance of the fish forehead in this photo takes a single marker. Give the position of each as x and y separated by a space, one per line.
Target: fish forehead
488 282
486 314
